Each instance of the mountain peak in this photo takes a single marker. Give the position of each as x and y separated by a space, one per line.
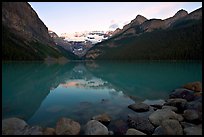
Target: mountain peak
181 13
140 19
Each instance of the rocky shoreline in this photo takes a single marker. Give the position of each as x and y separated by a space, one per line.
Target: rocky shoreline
180 114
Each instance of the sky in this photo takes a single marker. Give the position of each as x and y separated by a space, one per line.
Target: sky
70 17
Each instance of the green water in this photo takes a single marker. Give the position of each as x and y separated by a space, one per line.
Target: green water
41 93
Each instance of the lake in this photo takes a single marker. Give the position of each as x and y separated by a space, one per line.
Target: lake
41 93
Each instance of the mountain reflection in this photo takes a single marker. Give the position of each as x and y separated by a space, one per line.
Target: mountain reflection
41 93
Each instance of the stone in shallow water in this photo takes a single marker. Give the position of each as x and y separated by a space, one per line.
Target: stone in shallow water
93 127
139 107
13 126
103 118
132 131
183 93
154 103
67 126
34 130
140 123
159 115
49 131
195 86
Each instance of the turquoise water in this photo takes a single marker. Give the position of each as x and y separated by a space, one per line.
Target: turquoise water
41 93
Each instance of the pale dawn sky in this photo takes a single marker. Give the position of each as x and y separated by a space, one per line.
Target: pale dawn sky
69 17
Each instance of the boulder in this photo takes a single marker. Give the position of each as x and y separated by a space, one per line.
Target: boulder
13 126
191 115
183 93
158 116
158 131
49 131
34 130
171 127
195 130
119 127
179 103
154 103
140 123
170 107
93 127
195 86
132 131
103 118
139 107
67 126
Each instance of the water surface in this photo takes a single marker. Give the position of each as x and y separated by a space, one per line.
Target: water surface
41 93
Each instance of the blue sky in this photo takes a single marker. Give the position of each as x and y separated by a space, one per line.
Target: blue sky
69 17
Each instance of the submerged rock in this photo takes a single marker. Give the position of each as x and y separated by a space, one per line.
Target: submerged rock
67 126
158 116
132 131
93 127
13 126
183 93
103 118
139 107
49 131
34 130
154 103
195 86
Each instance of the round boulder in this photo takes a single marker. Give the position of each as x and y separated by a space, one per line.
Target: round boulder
132 131
195 86
139 107
158 116
93 127
67 126
13 126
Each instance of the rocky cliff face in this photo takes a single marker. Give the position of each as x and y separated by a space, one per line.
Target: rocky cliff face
25 36
23 21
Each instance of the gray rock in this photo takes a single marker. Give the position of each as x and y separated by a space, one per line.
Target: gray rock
190 115
159 115
140 123
195 130
132 131
139 107
178 103
183 93
171 108
103 118
154 103
93 127
171 127
13 126
67 126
